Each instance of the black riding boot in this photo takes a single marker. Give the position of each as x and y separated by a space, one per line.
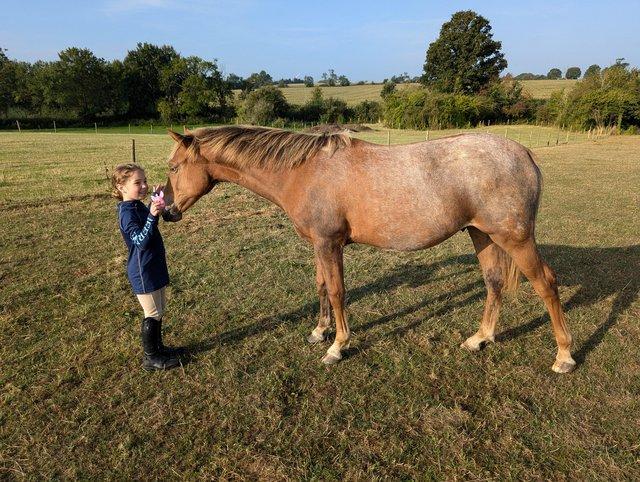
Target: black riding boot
167 350
153 359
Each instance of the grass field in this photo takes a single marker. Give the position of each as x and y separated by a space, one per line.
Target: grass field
354 94
542 89
255 401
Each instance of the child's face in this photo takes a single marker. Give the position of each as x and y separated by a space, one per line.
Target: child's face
135 187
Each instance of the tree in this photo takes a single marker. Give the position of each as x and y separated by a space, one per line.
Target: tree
464 58
308 81
7 82
143 67
81 83
592 70
401 79
264 105
257 80
329 78
194 88
343 81
235 81
554 74
609 99
529 76
388 88
573 73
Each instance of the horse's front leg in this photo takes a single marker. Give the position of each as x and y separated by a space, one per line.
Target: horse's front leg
319 333
329 255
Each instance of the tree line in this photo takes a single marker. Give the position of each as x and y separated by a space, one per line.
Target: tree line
461 85
151 82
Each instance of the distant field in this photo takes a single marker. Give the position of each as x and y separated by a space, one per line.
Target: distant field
353 94
255 403
542 89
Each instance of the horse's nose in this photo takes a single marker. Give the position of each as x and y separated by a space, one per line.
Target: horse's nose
171 214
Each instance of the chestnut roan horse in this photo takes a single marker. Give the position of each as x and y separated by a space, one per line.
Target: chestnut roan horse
337 190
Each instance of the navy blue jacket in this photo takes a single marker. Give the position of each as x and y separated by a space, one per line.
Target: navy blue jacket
147 262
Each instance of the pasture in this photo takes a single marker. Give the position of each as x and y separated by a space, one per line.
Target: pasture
254 401
542 89
354 94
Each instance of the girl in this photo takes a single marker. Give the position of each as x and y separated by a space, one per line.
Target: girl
147 264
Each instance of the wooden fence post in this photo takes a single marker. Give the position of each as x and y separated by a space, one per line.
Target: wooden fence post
54 127
18 124
133 150
95 124
388 137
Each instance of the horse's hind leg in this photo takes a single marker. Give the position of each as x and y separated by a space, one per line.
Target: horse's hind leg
490 256
319 333
543 279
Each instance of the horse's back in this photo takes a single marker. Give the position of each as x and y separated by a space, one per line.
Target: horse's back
415 196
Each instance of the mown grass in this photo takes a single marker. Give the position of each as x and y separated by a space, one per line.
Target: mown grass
542 89
255 402
354 94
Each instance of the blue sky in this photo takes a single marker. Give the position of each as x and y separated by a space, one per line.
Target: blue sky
368 40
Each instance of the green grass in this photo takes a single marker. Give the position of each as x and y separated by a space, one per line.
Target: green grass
255 402
542 89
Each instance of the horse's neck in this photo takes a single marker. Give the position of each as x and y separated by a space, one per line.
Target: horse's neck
265 183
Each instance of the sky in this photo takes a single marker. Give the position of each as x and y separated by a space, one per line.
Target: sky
369 40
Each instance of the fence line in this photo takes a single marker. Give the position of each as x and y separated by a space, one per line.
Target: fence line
548 136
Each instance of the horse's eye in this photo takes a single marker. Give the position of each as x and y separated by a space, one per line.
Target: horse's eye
174 169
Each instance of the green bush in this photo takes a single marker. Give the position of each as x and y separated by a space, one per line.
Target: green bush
334 110
367 111
263 106
610 98
421 108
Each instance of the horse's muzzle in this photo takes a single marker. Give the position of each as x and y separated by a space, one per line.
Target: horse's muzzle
171 214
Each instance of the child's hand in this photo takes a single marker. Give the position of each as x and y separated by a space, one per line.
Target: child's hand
157 207
157 201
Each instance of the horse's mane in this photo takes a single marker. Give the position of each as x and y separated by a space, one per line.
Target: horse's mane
250 146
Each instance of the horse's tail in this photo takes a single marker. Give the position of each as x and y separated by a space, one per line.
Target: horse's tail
539 175
510 272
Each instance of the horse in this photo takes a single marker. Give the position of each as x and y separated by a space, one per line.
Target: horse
338 190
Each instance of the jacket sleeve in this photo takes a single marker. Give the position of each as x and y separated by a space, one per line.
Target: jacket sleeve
130 225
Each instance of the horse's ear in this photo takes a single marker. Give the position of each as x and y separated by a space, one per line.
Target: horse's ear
175 136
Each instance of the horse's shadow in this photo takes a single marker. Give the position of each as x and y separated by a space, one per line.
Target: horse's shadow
599 273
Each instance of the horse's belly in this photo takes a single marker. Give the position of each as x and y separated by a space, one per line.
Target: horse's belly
407 235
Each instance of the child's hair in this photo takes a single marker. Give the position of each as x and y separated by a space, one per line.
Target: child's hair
120 175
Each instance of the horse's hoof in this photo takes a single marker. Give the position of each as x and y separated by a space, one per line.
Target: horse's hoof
331 359
475 343
564 366
470 346
314 338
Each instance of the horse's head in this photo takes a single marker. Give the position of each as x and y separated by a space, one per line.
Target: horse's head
189 177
